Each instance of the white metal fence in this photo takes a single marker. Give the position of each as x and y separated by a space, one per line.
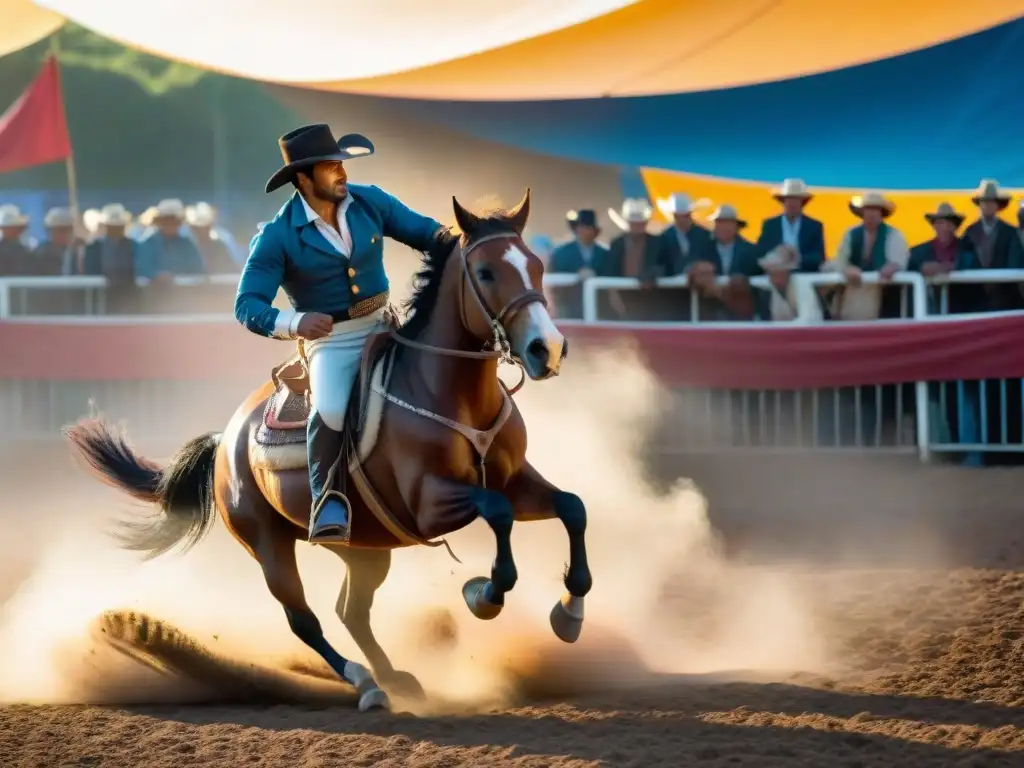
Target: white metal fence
968 418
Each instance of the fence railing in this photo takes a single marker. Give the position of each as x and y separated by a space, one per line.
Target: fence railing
954 417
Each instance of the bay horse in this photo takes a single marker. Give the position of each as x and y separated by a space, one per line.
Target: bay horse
436 442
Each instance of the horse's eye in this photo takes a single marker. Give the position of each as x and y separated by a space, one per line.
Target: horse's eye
485 275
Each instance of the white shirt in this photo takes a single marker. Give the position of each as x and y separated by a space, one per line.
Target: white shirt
725 253
791 231
340 238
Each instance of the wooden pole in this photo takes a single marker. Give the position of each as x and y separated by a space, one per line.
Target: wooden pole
69 161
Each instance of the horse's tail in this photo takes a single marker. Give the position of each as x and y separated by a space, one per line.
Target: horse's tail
183 490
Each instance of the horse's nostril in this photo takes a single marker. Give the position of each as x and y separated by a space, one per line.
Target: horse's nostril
538 350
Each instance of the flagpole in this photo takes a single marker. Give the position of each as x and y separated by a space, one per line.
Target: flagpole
69 161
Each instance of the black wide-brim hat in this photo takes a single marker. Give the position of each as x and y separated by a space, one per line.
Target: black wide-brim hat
311 144
584 217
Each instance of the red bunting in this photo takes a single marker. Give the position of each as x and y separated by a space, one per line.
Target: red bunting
34 130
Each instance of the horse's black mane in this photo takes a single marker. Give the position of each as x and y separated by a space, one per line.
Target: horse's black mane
427 281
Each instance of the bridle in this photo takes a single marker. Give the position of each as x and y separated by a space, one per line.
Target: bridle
497 346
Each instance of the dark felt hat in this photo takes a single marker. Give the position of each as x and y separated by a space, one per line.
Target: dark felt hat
311 144
582 218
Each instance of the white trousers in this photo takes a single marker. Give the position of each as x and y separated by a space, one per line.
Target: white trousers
334 366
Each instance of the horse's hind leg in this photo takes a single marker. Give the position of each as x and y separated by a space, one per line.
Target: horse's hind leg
535 498
366 571
275 551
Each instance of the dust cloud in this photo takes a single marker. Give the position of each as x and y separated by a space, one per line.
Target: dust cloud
665 600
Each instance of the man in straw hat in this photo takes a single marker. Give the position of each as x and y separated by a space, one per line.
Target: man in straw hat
583 255
727 254
793 229
325 248
996 243
871 246
15 245
683 238
112 254
166 252
214 243
61 252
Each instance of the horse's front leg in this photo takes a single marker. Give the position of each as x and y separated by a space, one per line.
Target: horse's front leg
534 498
447 505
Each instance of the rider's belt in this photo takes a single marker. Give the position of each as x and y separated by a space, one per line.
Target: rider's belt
361 308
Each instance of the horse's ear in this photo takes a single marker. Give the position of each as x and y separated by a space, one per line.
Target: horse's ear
519 215
467 221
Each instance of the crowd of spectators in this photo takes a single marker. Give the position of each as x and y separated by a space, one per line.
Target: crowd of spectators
789 243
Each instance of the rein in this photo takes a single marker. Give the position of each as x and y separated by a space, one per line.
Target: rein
500 349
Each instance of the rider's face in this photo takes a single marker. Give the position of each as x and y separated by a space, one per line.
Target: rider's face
330 182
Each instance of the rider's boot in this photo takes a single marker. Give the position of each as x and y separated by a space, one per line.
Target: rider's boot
331 513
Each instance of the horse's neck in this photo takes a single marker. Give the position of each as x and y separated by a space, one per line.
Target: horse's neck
456 384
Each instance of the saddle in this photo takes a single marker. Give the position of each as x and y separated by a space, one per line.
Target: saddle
279 441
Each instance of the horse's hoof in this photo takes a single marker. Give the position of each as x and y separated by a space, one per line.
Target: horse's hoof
567 618
404 684
373 698
474 593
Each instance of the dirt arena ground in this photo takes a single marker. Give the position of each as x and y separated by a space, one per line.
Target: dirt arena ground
882 610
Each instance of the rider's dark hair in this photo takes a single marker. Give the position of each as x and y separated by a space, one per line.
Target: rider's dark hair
307 172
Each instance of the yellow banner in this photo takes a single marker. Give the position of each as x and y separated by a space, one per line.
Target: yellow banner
755 203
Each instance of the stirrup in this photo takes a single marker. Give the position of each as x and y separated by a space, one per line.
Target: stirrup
330 532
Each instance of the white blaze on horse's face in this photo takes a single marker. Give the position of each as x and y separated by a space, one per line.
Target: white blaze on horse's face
540 344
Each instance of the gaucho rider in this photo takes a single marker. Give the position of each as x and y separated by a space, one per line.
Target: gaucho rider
325 249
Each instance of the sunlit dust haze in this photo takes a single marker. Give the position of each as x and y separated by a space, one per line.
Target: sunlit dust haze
664 600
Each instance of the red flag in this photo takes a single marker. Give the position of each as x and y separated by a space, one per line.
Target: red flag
34 129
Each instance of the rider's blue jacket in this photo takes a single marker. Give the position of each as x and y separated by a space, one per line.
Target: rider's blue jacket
290 253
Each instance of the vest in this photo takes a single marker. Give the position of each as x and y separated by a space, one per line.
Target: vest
877 250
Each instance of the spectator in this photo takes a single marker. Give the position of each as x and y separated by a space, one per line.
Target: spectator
684 238
781 303
996 243
583 255
727 254
15 248
793 229
872 246
204 212
112 254
164 252
946 251
143 227
634 253
943 254
210 240
61 252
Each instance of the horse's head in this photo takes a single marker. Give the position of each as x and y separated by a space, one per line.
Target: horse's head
502 289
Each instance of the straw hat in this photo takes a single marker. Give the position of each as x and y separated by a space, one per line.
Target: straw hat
988 189
727 212
679 203
793 188
114 215
872 200
634 209
11 216
57 218
779 258
200 215
947 212
169 209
